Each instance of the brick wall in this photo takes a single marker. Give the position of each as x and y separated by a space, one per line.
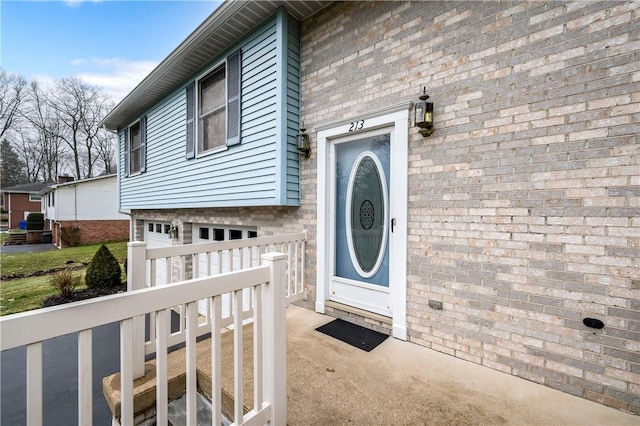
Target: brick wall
17 205
93 231
267 220
524 206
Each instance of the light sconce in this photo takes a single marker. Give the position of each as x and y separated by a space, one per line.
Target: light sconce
303 143
424 114
173 232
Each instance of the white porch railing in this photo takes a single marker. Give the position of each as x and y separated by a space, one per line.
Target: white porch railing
181 262
266 285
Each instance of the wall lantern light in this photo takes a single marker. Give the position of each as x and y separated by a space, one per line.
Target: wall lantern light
303 143
173 232
424 114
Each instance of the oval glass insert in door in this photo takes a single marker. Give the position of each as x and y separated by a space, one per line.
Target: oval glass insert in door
366 214
361 213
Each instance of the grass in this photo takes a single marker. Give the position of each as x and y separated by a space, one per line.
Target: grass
32 262
24 294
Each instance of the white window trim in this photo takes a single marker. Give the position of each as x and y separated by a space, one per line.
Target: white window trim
396 117
34 200
196 112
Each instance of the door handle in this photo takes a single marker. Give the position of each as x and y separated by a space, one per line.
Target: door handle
393 223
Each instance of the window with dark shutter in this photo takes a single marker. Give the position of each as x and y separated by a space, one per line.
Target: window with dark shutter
143 144
212 111
191 145
134 148
126 151
234 63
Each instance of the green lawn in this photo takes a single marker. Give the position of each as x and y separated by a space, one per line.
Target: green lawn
24 294
33 262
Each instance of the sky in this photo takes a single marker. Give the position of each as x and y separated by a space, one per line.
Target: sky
107 43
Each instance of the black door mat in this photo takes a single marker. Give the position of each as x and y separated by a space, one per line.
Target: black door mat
353 334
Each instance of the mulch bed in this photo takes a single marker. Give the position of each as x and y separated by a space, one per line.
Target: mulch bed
89 293
71 267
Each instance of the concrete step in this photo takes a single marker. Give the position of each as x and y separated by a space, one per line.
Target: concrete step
15 239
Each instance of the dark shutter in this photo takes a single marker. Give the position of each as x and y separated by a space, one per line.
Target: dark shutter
126 151
143 144
233 97
191 107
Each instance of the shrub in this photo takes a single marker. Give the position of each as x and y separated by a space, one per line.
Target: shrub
35 222
104 270
70 235
65 282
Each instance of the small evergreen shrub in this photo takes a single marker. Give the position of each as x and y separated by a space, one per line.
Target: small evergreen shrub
35 222
65 282
104 270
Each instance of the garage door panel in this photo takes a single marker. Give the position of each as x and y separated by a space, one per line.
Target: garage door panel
156 236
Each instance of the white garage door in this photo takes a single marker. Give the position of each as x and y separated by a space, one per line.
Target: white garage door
156 234
213 265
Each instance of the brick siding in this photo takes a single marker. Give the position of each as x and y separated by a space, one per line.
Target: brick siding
524 205
17 205
93 231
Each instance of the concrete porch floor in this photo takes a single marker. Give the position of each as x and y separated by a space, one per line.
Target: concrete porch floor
332 383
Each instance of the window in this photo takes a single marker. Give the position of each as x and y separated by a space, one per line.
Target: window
204 233
135 149
213 108
212 102
34 197
167 228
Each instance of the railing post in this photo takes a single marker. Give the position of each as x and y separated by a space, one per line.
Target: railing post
274 334
136 277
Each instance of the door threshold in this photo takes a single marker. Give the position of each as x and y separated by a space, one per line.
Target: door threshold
360 312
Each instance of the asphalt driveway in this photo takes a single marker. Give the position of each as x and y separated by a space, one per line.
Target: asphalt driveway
27 248
60 378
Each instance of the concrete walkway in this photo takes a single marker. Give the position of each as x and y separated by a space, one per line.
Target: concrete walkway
331 382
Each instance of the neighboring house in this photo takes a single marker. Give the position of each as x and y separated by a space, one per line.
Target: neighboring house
491 240
84 209
20 200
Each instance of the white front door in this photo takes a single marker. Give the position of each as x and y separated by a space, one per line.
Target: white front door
362 214
359 202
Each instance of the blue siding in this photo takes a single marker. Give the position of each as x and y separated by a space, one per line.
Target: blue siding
249 174
293 113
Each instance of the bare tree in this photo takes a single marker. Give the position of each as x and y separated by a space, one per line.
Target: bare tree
26 144
68 101
44 138
55 130
12 87
106 145
80 107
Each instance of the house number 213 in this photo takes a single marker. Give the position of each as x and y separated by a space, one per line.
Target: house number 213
356 125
